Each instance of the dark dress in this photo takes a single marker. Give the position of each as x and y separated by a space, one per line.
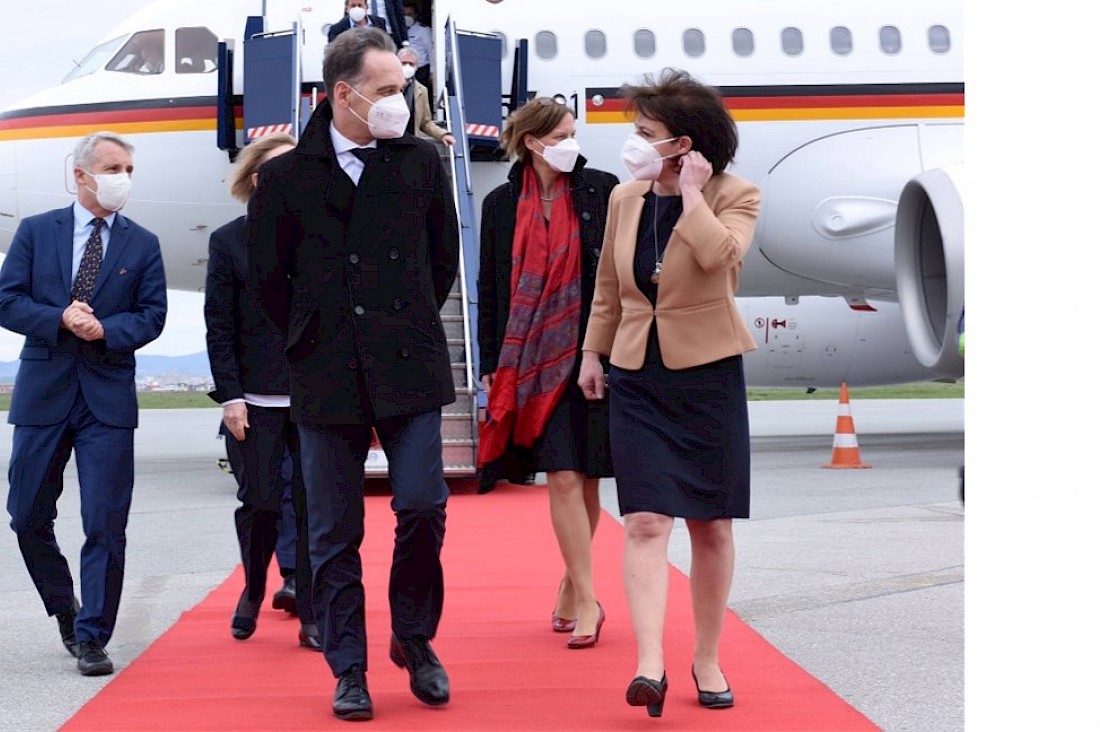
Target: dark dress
577 435
680 437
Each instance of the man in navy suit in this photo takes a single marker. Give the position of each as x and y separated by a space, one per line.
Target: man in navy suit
86 286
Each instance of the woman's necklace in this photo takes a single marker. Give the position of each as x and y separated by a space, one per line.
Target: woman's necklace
658 253
556 195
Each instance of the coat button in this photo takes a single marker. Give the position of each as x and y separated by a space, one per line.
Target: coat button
596 252
394 254
353 258
398 303
351 364
359 309
591 189
404 352
586 216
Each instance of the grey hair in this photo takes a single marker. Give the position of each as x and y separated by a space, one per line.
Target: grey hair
84 153
407 51
344 56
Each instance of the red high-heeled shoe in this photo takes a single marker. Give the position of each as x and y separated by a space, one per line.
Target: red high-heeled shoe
562 625
588 641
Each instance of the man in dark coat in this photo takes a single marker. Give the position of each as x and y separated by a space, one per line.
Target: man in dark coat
353 240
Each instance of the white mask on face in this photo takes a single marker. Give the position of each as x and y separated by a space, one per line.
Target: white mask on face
112 190
562 157
408 71
356 15
387 118
642 159
409 20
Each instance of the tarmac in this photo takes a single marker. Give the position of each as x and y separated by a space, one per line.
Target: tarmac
857 575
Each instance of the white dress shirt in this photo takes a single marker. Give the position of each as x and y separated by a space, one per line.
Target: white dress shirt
352 165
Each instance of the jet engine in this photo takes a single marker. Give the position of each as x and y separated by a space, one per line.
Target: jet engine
928 254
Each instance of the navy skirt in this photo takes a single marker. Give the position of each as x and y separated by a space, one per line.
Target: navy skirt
680 438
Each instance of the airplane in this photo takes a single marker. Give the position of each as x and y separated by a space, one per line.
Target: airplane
850 116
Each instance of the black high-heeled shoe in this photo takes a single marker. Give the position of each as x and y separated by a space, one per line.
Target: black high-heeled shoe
713 699
648 693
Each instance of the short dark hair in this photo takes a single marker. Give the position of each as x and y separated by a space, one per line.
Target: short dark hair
344 56
688 108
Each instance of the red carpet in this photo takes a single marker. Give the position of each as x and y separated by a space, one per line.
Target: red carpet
508 670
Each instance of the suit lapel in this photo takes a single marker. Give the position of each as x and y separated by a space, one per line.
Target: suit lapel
63 233
120 236
627 244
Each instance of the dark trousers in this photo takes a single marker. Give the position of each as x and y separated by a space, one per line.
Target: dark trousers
332 466
257 465
105 470
286 548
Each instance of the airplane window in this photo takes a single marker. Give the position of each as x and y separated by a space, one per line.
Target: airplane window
196 50
939 39
595 44
645 43
546 45
889 39
792 41
840 40
742 42
142 54
94 59
695 43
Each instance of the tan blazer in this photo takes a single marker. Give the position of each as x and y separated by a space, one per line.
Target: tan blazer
697 318
422 119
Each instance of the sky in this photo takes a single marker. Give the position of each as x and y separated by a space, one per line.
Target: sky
83 26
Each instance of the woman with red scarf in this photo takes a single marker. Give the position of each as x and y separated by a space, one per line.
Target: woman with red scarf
541 234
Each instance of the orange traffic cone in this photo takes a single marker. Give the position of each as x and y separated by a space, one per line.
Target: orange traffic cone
845 448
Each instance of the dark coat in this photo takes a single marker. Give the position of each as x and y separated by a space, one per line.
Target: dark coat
129 298
345 24
355 277
591 190
246 352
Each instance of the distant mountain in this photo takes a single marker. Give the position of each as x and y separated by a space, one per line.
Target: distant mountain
193 366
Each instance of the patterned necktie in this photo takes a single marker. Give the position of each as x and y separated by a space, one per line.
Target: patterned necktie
89 263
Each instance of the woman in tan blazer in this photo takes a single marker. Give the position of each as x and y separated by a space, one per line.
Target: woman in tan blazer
664 312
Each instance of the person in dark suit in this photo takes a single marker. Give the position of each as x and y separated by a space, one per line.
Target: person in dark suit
353 241
251 382
86 286
547 221
356 15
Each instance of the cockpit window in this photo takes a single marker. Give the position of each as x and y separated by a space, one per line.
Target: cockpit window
196 50
142 54
94 59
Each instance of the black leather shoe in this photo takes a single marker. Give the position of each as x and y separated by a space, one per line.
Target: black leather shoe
308 637
351 700
713 699
286 598
243 624
66 623
93 660
427 678
645 692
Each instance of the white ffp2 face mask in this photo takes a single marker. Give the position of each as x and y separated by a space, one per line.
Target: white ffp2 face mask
387 117
562 157
112 190
642 159
356 15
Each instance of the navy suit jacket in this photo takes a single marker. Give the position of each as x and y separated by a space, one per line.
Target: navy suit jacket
129 298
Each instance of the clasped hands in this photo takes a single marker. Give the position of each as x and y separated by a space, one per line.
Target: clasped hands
79 319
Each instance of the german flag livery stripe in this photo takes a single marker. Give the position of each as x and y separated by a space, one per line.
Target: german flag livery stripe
136 117
809 102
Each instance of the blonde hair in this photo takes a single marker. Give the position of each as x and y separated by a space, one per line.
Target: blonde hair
249 161
538 118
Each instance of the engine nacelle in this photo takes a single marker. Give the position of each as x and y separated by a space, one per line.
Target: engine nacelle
928 253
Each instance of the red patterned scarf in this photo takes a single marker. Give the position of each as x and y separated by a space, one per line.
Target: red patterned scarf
540 340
